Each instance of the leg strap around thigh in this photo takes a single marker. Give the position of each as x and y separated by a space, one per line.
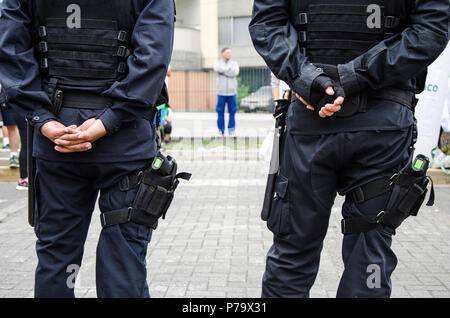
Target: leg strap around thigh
360 195
126 215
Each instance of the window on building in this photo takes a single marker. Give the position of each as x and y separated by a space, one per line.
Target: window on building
234 31
241 35
225 31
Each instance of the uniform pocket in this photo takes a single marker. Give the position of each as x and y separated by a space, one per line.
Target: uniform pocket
279 220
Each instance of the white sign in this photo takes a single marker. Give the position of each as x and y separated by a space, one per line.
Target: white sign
431 104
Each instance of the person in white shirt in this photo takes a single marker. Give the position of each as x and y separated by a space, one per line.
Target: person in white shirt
228 71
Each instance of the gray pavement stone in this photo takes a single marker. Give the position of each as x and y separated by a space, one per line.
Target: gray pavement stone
213 244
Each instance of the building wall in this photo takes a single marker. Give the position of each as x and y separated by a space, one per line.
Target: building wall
187 53
209 32
191 91
188 13
243 53
236 8
209 16
197 47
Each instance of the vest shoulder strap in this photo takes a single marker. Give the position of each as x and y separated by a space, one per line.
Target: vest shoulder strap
123 10
40 11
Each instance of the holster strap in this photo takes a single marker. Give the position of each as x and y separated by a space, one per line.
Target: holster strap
368 191
126 183
360 224
126 215
115 217
359 195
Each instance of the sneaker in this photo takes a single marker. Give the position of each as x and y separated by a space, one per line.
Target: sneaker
14 162
5 147
23 184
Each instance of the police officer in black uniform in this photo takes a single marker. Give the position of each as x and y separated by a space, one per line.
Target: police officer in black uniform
86 74
355 67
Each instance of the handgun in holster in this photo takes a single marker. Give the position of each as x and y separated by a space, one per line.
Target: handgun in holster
155 185
406 192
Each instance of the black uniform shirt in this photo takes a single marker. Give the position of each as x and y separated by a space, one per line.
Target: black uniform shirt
130 135
393 62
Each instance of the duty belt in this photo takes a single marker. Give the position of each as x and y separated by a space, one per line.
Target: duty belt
74 99
403 97
84 100
400 96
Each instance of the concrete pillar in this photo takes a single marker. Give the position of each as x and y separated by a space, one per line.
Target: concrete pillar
209 37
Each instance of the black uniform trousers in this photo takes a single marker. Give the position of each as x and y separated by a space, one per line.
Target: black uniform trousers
313 170
66 194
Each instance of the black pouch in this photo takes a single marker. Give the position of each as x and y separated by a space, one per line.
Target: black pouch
407 196
279 220
154 199
156 189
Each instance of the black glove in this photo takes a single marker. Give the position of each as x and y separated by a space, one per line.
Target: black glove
312 84
353 103
319 98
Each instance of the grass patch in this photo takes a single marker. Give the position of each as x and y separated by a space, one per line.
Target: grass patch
215 143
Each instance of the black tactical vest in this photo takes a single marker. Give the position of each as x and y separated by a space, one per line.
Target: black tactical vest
337 31
83 42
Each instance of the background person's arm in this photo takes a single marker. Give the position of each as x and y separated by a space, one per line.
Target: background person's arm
275 84
219 67
233 69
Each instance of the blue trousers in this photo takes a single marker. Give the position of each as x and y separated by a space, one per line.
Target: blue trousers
231 101
313 170
66 194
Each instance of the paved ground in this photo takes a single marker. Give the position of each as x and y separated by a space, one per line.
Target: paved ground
213 243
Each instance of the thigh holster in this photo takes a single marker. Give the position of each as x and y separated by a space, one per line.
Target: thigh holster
407 190
155 191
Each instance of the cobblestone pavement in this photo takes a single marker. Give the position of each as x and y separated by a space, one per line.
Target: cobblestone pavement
213 243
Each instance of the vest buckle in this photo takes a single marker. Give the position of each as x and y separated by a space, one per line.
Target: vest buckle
42 31
122 68
302 37
123 51
302 18
122 36
391 22
43 47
